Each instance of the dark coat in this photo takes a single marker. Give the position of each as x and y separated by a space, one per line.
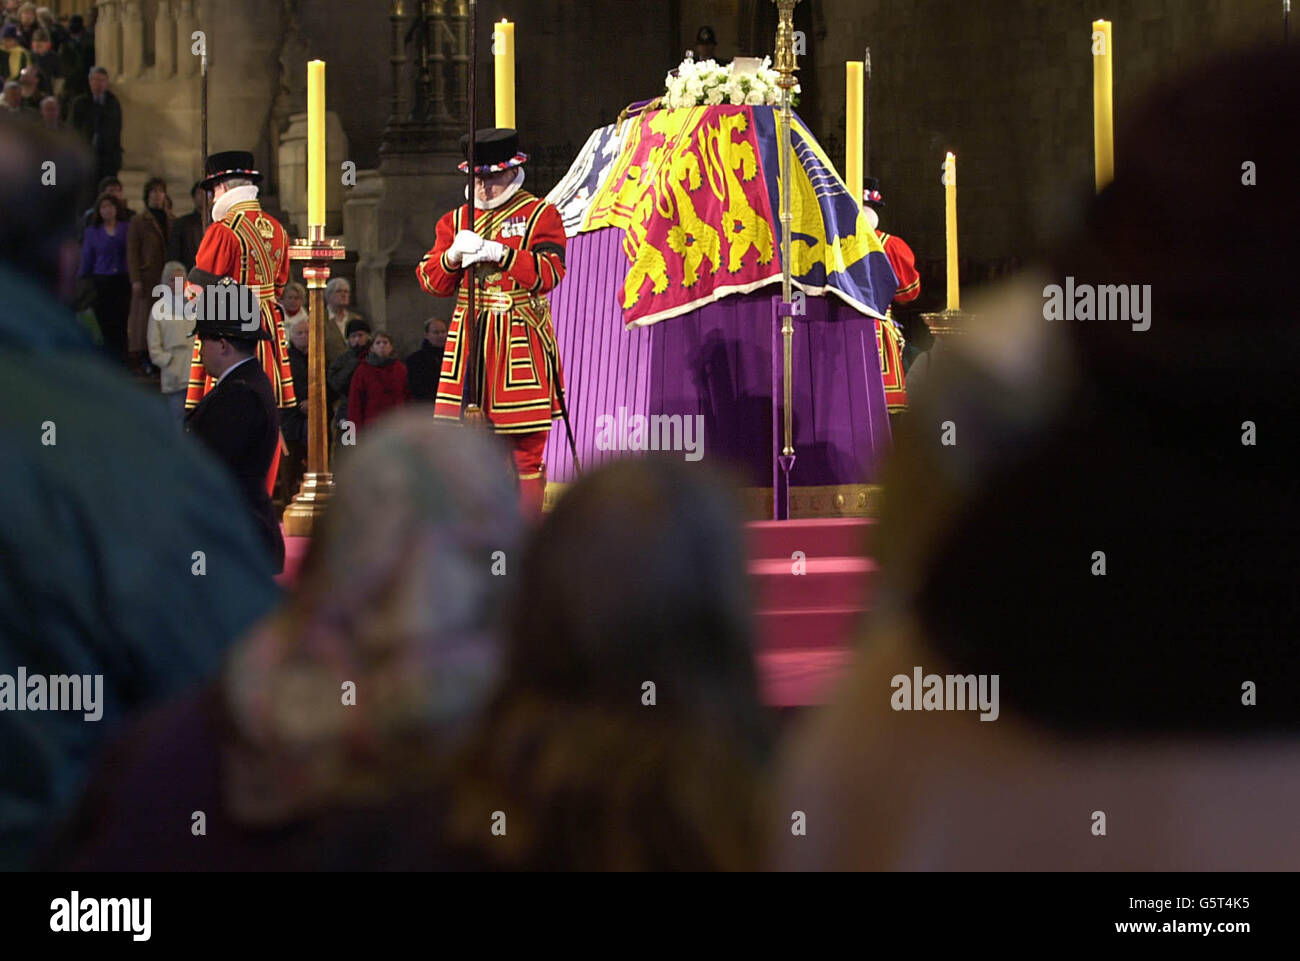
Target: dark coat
98 540
187 234
376 388
238 422
146 255
338 379
101 127
293 420
423 368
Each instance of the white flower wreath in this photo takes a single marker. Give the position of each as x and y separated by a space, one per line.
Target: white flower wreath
705 83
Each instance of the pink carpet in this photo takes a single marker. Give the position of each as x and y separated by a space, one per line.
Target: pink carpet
808 606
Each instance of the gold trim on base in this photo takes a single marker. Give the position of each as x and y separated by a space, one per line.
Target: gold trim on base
806 503
308 504
946 322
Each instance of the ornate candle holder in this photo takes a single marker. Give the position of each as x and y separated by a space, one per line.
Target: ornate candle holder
317 253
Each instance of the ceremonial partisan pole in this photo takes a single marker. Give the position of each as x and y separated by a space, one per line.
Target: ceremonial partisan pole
203 130
785 67
471 408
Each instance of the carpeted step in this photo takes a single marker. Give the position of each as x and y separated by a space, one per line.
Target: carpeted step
807 628
828 537
826 582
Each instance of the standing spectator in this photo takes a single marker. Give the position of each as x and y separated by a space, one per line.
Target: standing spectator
16 57
146 250
187 231
97 116
50 114
100 528
47 62
12 98
27 24
103 259
78 55
170 343
294 305
424 367
338 295
53 29
113 187
30 84
379 384
338 378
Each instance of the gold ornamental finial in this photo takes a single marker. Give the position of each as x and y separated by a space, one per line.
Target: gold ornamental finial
786 64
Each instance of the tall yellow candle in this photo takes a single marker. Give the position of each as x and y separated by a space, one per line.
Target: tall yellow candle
853 131
1103 104
950 203
316 143
503 52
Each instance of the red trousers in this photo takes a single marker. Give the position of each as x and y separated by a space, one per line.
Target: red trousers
527 450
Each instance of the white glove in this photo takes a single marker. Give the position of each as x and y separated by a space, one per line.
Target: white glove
466 242
491 252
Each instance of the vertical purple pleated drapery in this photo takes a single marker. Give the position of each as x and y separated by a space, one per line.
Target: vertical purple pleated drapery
715 362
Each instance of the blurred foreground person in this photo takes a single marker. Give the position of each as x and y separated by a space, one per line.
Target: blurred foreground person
1111 537
125 559
628 732
318 747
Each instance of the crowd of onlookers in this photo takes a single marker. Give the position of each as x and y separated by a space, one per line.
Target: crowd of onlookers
1112 534
49 74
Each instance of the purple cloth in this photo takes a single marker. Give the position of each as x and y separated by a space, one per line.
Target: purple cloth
103 254
716 362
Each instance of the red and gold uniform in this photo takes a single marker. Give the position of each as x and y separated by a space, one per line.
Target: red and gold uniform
889 341
252 247
519 372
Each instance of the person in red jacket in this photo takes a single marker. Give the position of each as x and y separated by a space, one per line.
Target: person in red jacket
889 335
379 383
516 255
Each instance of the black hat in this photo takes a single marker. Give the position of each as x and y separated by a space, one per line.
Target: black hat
495 149
220 307
871 195
229 163
355 324
706 36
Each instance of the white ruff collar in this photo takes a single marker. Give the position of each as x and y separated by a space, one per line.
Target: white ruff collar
504 196
235 195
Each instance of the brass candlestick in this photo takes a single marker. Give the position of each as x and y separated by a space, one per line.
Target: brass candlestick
317 252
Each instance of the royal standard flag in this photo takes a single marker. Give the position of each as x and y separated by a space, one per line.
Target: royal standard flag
697 194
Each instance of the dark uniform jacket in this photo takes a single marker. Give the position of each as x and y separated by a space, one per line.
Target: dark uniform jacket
238 422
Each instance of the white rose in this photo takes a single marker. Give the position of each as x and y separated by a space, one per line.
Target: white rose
714 97
754 98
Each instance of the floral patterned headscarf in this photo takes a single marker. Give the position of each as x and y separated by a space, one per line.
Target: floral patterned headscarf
389 645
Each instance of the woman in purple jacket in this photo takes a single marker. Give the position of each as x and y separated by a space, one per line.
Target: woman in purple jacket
103 259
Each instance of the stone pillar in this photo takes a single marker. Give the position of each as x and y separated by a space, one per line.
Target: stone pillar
164 41
132 39
187 21
361 227
108 38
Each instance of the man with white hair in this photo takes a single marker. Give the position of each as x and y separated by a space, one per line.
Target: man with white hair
246 243
12 97
338 297
50 114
